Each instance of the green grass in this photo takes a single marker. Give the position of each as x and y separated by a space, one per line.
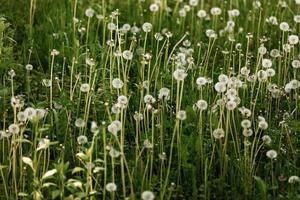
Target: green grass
112 112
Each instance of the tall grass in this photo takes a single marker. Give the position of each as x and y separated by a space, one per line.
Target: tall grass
149 99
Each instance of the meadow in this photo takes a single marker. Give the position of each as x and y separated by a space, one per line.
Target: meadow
149 99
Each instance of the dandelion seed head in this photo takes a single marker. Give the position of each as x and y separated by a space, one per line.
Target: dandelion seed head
272 154
111 187
201 14
85 87
284 26
14 128
29 67
201 104
218 133
148 195
154 7
127 55
82 139
147 27
117 83
181 115
89 12
79 123
294 179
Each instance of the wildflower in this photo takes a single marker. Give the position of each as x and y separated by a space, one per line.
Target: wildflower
201 81
29 67
231 105
275 53
127 55
90 61
115 109
15 102
164 93
247 132
21 116
210 33
182 12
266 63
47 82
147 27
270 72
272 20
138 116
114 127
126 27
234 13
44 143
94 127
154 7
296 64
147 195
14 129
245 71
284 26
201 13
193 3
85 87
80 123
297 18
245 112
82 139
149 99
181 115
148 144
123 101
201 105
5 134
272 154
286 47
111 187
218 133
262 75
158 36
294 84
262 50
54 52
246 123
263 125
40 113
114 153
293 39
179 74
117 83
294 179
288 88
220 87
223 78
111 26
30 113
89 12
216 11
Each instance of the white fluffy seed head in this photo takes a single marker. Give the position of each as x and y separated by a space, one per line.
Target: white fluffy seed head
147 195
218 133
272 154
201 104
111 187
147 27
117 83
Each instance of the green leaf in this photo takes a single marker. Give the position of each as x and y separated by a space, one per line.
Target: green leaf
55 194
77 169
262 187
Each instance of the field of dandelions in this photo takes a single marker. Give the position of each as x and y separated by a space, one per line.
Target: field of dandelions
149 99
